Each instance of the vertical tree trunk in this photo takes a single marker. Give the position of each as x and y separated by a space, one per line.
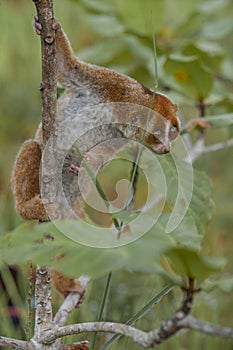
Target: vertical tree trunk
44 317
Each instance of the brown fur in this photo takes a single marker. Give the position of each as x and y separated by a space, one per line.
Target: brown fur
103 85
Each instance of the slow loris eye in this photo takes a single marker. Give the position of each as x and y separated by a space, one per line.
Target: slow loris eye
173 132
173 129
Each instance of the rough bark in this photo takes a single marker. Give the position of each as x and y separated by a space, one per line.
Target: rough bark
49 75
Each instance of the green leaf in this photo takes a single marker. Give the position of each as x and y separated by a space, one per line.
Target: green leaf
186 234
218 29
225 284
189 75
124 215
138 48
212 6
178 11
98 5
194 189
192 264
105 25
42 243
209 53
156 241
202 204
103 52
136 15
190 25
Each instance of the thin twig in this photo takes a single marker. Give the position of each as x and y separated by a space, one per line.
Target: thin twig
199 148
146 339
70 302
191 322
16 344
218 146
179 320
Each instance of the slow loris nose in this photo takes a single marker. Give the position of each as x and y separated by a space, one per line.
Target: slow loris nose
165 148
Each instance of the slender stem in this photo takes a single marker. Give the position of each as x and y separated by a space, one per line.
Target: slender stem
142 312
202 108
97 185
102 305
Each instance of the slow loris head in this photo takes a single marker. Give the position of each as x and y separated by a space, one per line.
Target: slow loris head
152 121
164 126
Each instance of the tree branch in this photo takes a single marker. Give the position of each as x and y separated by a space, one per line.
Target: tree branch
69 303
145 339
199 148
49 100
49 66
49 334
179 320
16 344
218 146
43 317
191 322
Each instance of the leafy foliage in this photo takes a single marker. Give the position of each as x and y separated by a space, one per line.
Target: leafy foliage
194 43
45 243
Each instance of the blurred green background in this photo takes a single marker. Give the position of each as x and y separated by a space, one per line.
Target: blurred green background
118 34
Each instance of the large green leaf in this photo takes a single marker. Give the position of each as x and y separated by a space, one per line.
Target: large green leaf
224 283
192 264
136 15
210 54
217 29
100 6
42 243
178 11
185 235
103 52
146 230
210 7
189 75
196 189
106 25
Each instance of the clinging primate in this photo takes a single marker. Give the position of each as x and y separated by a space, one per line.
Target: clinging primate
88 85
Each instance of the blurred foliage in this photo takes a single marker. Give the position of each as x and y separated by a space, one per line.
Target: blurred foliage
195 64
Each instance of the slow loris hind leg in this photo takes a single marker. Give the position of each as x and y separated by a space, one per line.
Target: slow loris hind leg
25 182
